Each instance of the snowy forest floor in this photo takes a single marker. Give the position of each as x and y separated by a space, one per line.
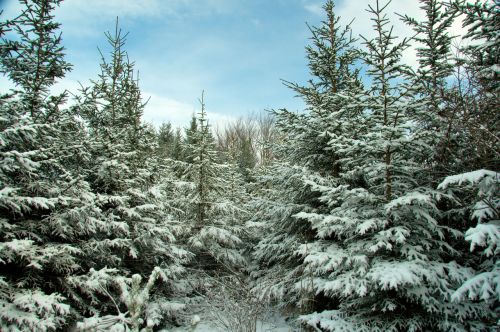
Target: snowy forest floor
272 323
226 303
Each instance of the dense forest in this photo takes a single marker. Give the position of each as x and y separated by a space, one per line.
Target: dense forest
376 208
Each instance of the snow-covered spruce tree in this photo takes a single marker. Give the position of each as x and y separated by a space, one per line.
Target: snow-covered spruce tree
454 147
476 197
177 151
430 82
212 214
190 139
134 310
48 211
331 62
434 51
282 272
483 24
477 88
124 175
384 254
474 189
279 272
166 139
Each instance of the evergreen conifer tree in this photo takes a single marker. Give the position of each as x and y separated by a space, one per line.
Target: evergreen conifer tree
367 238
125 175
430 82
383 217
211 210
286 275
177 148
190 139
166 139
474 189
477 193
477 90
49 217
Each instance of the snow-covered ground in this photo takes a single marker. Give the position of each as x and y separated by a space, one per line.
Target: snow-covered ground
274 323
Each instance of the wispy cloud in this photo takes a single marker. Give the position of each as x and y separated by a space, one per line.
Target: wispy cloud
94 9
235 50
162 109
363 25
314 8
93 14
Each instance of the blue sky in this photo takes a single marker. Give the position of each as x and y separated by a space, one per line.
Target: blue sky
235 50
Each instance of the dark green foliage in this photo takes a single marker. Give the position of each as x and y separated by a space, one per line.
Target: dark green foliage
283 273
213 212
48 212
166 139
357 228
371 210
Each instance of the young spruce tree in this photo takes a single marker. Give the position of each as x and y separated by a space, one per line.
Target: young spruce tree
285 269
385 253
49 215
431 84
474 187
366 244
215 228
125 176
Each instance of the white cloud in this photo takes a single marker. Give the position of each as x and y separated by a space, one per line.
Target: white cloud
95 9
218 119
362 24
66 84
162 109
256 22
314 8
84 17
98 9
92 9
